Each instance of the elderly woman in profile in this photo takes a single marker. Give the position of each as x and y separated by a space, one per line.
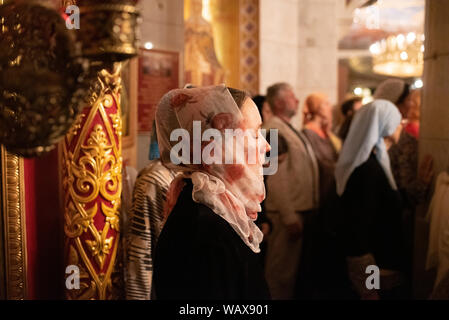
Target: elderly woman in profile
370 204
208 246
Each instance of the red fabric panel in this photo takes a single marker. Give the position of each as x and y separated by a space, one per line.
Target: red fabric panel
44 228
31 234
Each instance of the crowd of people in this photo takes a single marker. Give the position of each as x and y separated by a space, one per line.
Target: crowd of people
343 199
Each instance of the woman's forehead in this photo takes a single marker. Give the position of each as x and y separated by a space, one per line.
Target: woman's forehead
251 116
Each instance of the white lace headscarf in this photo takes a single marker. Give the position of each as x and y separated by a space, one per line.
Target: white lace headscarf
233 191
371 124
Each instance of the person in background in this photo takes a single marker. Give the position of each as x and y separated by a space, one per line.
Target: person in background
404 155
438 244
154 147
348 109
370 205
129 176
396 91
264 108
145 224
413 182
317 131
208 248
317 251
292 193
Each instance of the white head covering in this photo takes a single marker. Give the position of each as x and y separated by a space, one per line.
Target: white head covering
371 124
233 191
390 89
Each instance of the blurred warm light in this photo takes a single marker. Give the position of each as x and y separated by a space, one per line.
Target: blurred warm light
418 84
358 91
411 37
375 48
149 45
367 17
404 55
400 41
366 100
206 10
364 93
399 55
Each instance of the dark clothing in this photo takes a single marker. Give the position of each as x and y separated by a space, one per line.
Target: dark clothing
327 157
344 129
200 256
371 217
404 165
321 272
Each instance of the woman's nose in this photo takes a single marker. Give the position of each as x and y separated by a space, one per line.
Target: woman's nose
267 147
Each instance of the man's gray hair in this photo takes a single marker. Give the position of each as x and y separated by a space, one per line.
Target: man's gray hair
273 92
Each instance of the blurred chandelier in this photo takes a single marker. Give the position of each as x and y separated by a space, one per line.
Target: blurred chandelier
399 55
367 16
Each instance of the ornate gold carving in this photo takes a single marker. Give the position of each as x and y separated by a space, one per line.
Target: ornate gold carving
66 3
101 246
92 185
110 81
73 131
110 30
88 287
42 77
117 123
14 222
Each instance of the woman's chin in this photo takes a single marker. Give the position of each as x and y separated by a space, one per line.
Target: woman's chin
252 215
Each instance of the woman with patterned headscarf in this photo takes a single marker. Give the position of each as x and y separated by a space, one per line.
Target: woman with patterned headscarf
208 246
370 221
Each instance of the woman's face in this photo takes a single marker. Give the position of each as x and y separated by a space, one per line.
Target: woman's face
404 108
326 112
253 123
246 147
357 105
413 102
255 143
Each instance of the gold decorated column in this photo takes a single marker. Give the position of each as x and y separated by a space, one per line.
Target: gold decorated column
91 153
92 185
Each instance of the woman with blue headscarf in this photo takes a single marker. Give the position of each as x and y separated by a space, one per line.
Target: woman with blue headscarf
370 203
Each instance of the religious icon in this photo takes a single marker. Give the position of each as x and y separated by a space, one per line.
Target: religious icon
201 63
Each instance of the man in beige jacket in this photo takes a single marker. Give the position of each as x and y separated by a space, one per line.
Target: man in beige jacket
292 193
